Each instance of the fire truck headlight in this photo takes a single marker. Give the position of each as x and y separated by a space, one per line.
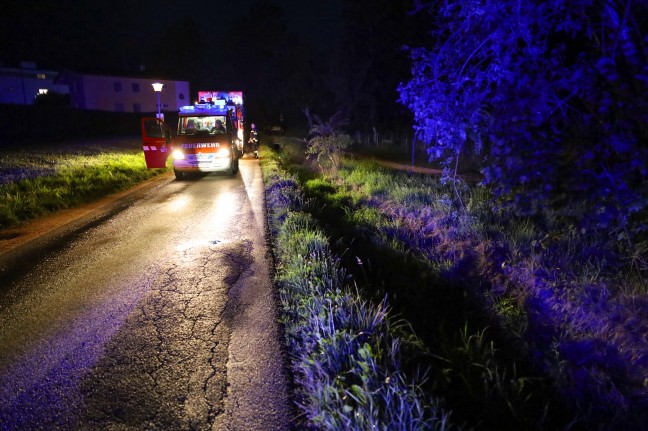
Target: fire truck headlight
178 155
223 152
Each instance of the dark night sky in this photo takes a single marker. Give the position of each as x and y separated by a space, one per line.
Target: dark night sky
77 33
327 55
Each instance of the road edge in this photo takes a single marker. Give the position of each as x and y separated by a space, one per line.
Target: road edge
18 243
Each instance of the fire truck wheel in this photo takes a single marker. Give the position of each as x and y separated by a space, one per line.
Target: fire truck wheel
179 175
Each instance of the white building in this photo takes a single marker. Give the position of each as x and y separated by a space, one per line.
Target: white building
122 93
21 85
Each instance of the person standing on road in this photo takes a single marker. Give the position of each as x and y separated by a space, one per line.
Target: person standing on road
254 140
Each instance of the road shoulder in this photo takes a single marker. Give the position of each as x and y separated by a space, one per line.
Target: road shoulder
33 233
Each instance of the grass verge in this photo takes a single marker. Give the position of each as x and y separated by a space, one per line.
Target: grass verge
345 350
38 180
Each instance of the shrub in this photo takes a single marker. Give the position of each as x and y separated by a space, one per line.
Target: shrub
551 95
328 150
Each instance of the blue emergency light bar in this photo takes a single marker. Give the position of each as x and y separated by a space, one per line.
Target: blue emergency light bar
205 108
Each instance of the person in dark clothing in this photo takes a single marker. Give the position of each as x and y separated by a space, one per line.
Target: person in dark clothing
254 140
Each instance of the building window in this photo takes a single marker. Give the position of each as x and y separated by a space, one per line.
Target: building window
119 107
136 87
117 86
42 91
137 107
41 76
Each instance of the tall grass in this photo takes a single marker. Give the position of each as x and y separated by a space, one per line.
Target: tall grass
563 296
497 390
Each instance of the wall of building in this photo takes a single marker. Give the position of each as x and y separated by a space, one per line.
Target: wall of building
21 85
124 94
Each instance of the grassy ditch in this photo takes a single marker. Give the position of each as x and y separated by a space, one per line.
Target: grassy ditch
563 309
480 371
36 180
345 350
525 324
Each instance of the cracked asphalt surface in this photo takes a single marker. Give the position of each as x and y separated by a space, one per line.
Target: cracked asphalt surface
157 315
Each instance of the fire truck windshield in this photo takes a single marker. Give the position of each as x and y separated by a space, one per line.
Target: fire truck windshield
202 125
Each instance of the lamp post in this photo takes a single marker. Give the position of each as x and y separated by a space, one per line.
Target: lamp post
157 87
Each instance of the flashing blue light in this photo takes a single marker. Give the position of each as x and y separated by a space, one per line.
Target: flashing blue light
205 108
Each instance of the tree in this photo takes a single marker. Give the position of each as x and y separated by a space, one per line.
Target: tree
551 94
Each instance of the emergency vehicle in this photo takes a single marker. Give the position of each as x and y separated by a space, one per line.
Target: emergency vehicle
206 140
234 103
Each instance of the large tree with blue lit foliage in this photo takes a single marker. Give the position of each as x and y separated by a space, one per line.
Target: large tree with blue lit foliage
550 93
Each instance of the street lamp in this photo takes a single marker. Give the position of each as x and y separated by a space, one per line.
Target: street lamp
157 87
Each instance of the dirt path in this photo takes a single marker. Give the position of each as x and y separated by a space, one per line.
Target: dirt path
409 168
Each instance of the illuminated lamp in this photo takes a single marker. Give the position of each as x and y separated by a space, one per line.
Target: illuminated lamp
157 87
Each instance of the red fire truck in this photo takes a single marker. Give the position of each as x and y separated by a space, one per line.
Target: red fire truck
206 139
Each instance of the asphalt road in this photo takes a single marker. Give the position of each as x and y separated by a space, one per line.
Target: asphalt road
154 312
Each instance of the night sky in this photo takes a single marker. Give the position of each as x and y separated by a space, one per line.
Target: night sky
285 55
243 45
126 34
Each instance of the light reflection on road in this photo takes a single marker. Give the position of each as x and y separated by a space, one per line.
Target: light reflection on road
225 207
179 202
